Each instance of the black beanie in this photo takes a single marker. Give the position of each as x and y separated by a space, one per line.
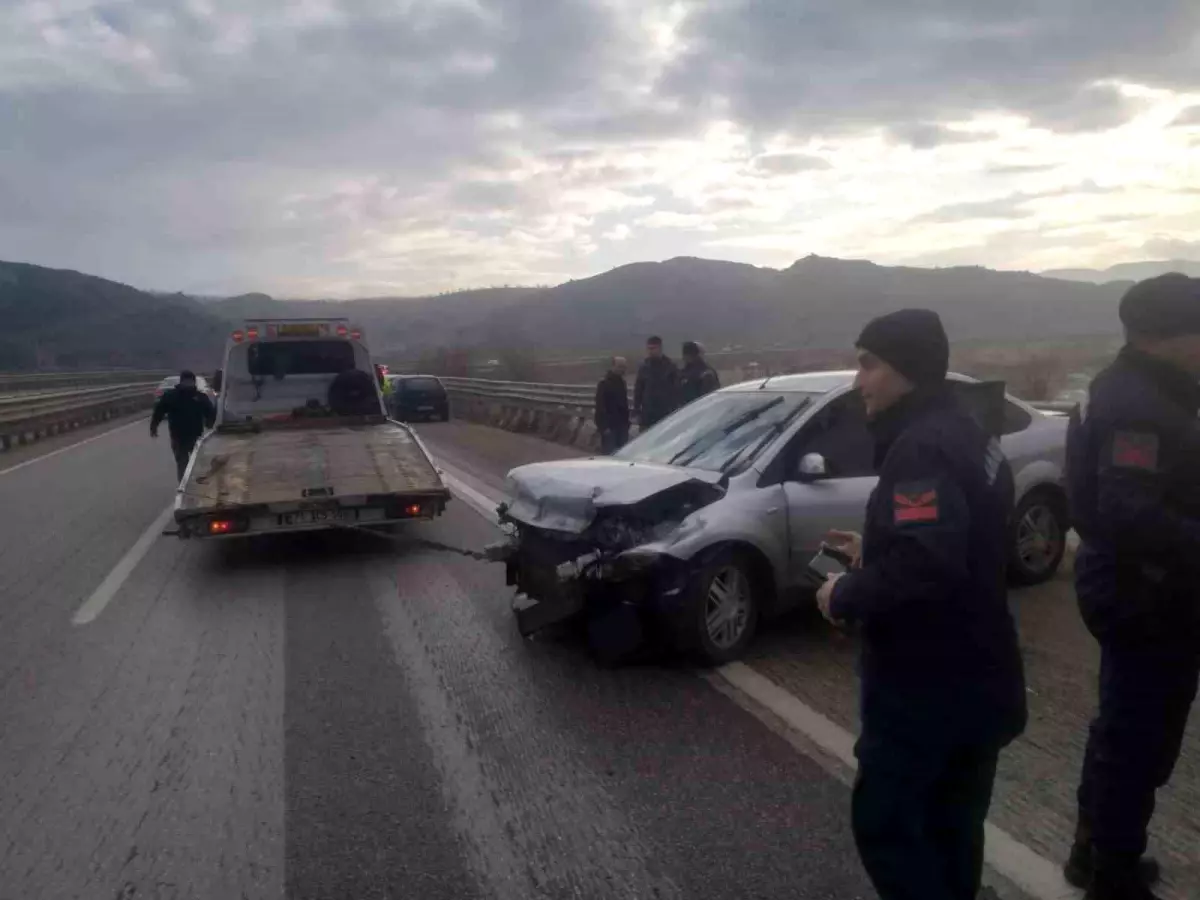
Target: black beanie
911 341
1162 306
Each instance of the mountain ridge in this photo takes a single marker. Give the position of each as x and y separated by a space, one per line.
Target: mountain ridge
58 317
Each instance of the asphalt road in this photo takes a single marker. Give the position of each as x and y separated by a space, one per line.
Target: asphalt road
343 716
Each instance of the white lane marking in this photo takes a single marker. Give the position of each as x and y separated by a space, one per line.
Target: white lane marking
1023 866
60 450
95 604
478 501
1020 864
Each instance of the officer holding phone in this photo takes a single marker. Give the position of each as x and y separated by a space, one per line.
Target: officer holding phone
942 683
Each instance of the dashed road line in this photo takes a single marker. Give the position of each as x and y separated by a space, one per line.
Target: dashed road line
100 598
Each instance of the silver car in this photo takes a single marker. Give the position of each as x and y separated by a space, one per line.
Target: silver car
707 522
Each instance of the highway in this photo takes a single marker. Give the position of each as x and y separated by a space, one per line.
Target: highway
344 716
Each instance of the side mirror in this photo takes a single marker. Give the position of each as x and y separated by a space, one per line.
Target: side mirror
812 467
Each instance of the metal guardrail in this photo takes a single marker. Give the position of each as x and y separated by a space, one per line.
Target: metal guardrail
19 382
579 398
29 417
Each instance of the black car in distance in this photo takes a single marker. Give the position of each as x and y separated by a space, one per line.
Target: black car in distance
418 398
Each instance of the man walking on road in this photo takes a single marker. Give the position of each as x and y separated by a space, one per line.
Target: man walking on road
942 684
612 407
1133 473
697 377
188 412
656 391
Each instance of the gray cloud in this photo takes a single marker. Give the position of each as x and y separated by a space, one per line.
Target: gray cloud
808 66
789 163
1190 116
1010 207
927 135
217 144
1013 206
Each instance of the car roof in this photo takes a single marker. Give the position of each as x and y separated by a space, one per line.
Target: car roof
812 382
411 375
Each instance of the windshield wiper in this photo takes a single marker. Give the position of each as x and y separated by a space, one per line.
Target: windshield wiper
748 416
767 437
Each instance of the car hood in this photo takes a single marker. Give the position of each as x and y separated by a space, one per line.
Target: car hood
567 495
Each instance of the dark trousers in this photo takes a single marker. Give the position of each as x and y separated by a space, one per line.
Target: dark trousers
918 811
1146 691
182 449
613 439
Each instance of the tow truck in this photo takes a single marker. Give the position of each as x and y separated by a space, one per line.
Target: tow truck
302 441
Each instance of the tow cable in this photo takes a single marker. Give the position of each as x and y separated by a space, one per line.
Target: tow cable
437 546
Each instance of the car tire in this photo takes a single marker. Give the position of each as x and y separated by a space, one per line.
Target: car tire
1037 538
714 643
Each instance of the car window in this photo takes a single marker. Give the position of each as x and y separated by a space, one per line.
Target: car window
283 358
421 385
839 433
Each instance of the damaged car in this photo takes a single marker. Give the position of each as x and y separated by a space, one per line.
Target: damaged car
705 524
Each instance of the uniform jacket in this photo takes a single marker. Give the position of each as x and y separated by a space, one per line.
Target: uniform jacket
940 655
1133 478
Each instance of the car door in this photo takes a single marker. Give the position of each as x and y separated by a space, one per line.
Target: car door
837 498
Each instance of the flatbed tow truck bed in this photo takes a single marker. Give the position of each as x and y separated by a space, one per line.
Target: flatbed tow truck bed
296 478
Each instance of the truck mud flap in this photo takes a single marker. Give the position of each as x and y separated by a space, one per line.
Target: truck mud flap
539 614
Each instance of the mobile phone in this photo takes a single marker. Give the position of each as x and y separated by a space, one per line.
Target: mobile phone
829 561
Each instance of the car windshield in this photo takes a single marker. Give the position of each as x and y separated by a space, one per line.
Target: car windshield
718 431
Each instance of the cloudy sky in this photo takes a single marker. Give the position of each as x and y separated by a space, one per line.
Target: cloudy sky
365 147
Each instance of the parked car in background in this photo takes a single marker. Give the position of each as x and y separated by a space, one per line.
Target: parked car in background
708 521
172 381
417 398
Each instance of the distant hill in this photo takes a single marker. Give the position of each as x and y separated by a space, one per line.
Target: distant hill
817 302
396 326
68 319
1134 271
54 318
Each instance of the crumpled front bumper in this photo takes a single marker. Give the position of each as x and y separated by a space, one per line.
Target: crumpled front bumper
633 584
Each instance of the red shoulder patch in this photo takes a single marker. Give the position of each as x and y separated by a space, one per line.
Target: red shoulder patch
915 505
1135 450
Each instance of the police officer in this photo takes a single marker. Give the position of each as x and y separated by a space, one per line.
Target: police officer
1133 460
188 412
942 683
697 377
656 391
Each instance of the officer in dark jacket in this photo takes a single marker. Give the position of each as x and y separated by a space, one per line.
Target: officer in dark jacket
1133 461
942 683
656 391
697 377
188 412
612 407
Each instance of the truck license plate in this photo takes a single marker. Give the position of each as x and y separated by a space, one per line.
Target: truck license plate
424 409
317 516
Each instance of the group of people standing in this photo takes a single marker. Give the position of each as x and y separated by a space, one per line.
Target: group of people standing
943 688
660 389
